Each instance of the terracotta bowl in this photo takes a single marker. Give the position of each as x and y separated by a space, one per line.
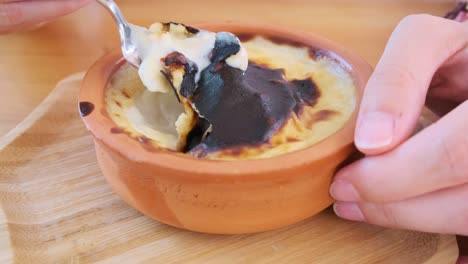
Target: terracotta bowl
223 197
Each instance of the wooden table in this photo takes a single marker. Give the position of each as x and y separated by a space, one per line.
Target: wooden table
31 63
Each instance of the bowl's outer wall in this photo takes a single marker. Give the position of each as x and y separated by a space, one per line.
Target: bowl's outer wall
219 197
220 207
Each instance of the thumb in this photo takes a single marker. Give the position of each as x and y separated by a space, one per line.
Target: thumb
396 92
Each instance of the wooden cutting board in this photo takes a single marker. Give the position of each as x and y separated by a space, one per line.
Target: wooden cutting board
57 208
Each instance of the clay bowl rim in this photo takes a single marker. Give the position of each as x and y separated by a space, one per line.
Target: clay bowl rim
100 124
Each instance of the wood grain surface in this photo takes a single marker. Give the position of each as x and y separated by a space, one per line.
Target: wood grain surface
31 63
59 209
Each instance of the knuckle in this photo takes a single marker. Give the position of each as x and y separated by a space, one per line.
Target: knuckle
417 21
389 216
11 15
432 27
367 179
382 214
372 183
394 75
454 159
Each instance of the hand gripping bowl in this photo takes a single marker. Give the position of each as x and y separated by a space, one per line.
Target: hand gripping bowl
223 197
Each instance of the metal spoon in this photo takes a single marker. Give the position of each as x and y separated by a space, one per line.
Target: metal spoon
129 48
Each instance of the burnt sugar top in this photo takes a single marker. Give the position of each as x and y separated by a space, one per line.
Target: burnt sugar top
287 99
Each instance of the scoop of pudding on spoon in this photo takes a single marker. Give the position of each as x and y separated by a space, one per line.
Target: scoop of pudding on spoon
147 48
129 48
171 58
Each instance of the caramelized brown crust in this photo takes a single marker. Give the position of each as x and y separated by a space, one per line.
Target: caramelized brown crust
246 109
242 109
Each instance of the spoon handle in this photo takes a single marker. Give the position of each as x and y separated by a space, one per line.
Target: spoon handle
128 48
112 7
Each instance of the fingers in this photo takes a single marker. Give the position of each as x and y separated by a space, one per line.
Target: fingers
462 260
444 211
396 91
448 88
434 159
16 15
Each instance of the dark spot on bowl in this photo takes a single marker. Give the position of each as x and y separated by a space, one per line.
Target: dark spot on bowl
86 108
118 103
117 130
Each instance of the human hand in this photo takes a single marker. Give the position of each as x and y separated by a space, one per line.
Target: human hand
18 14
418 182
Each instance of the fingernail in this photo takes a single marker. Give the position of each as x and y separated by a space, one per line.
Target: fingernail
342 190
375 130
350 211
